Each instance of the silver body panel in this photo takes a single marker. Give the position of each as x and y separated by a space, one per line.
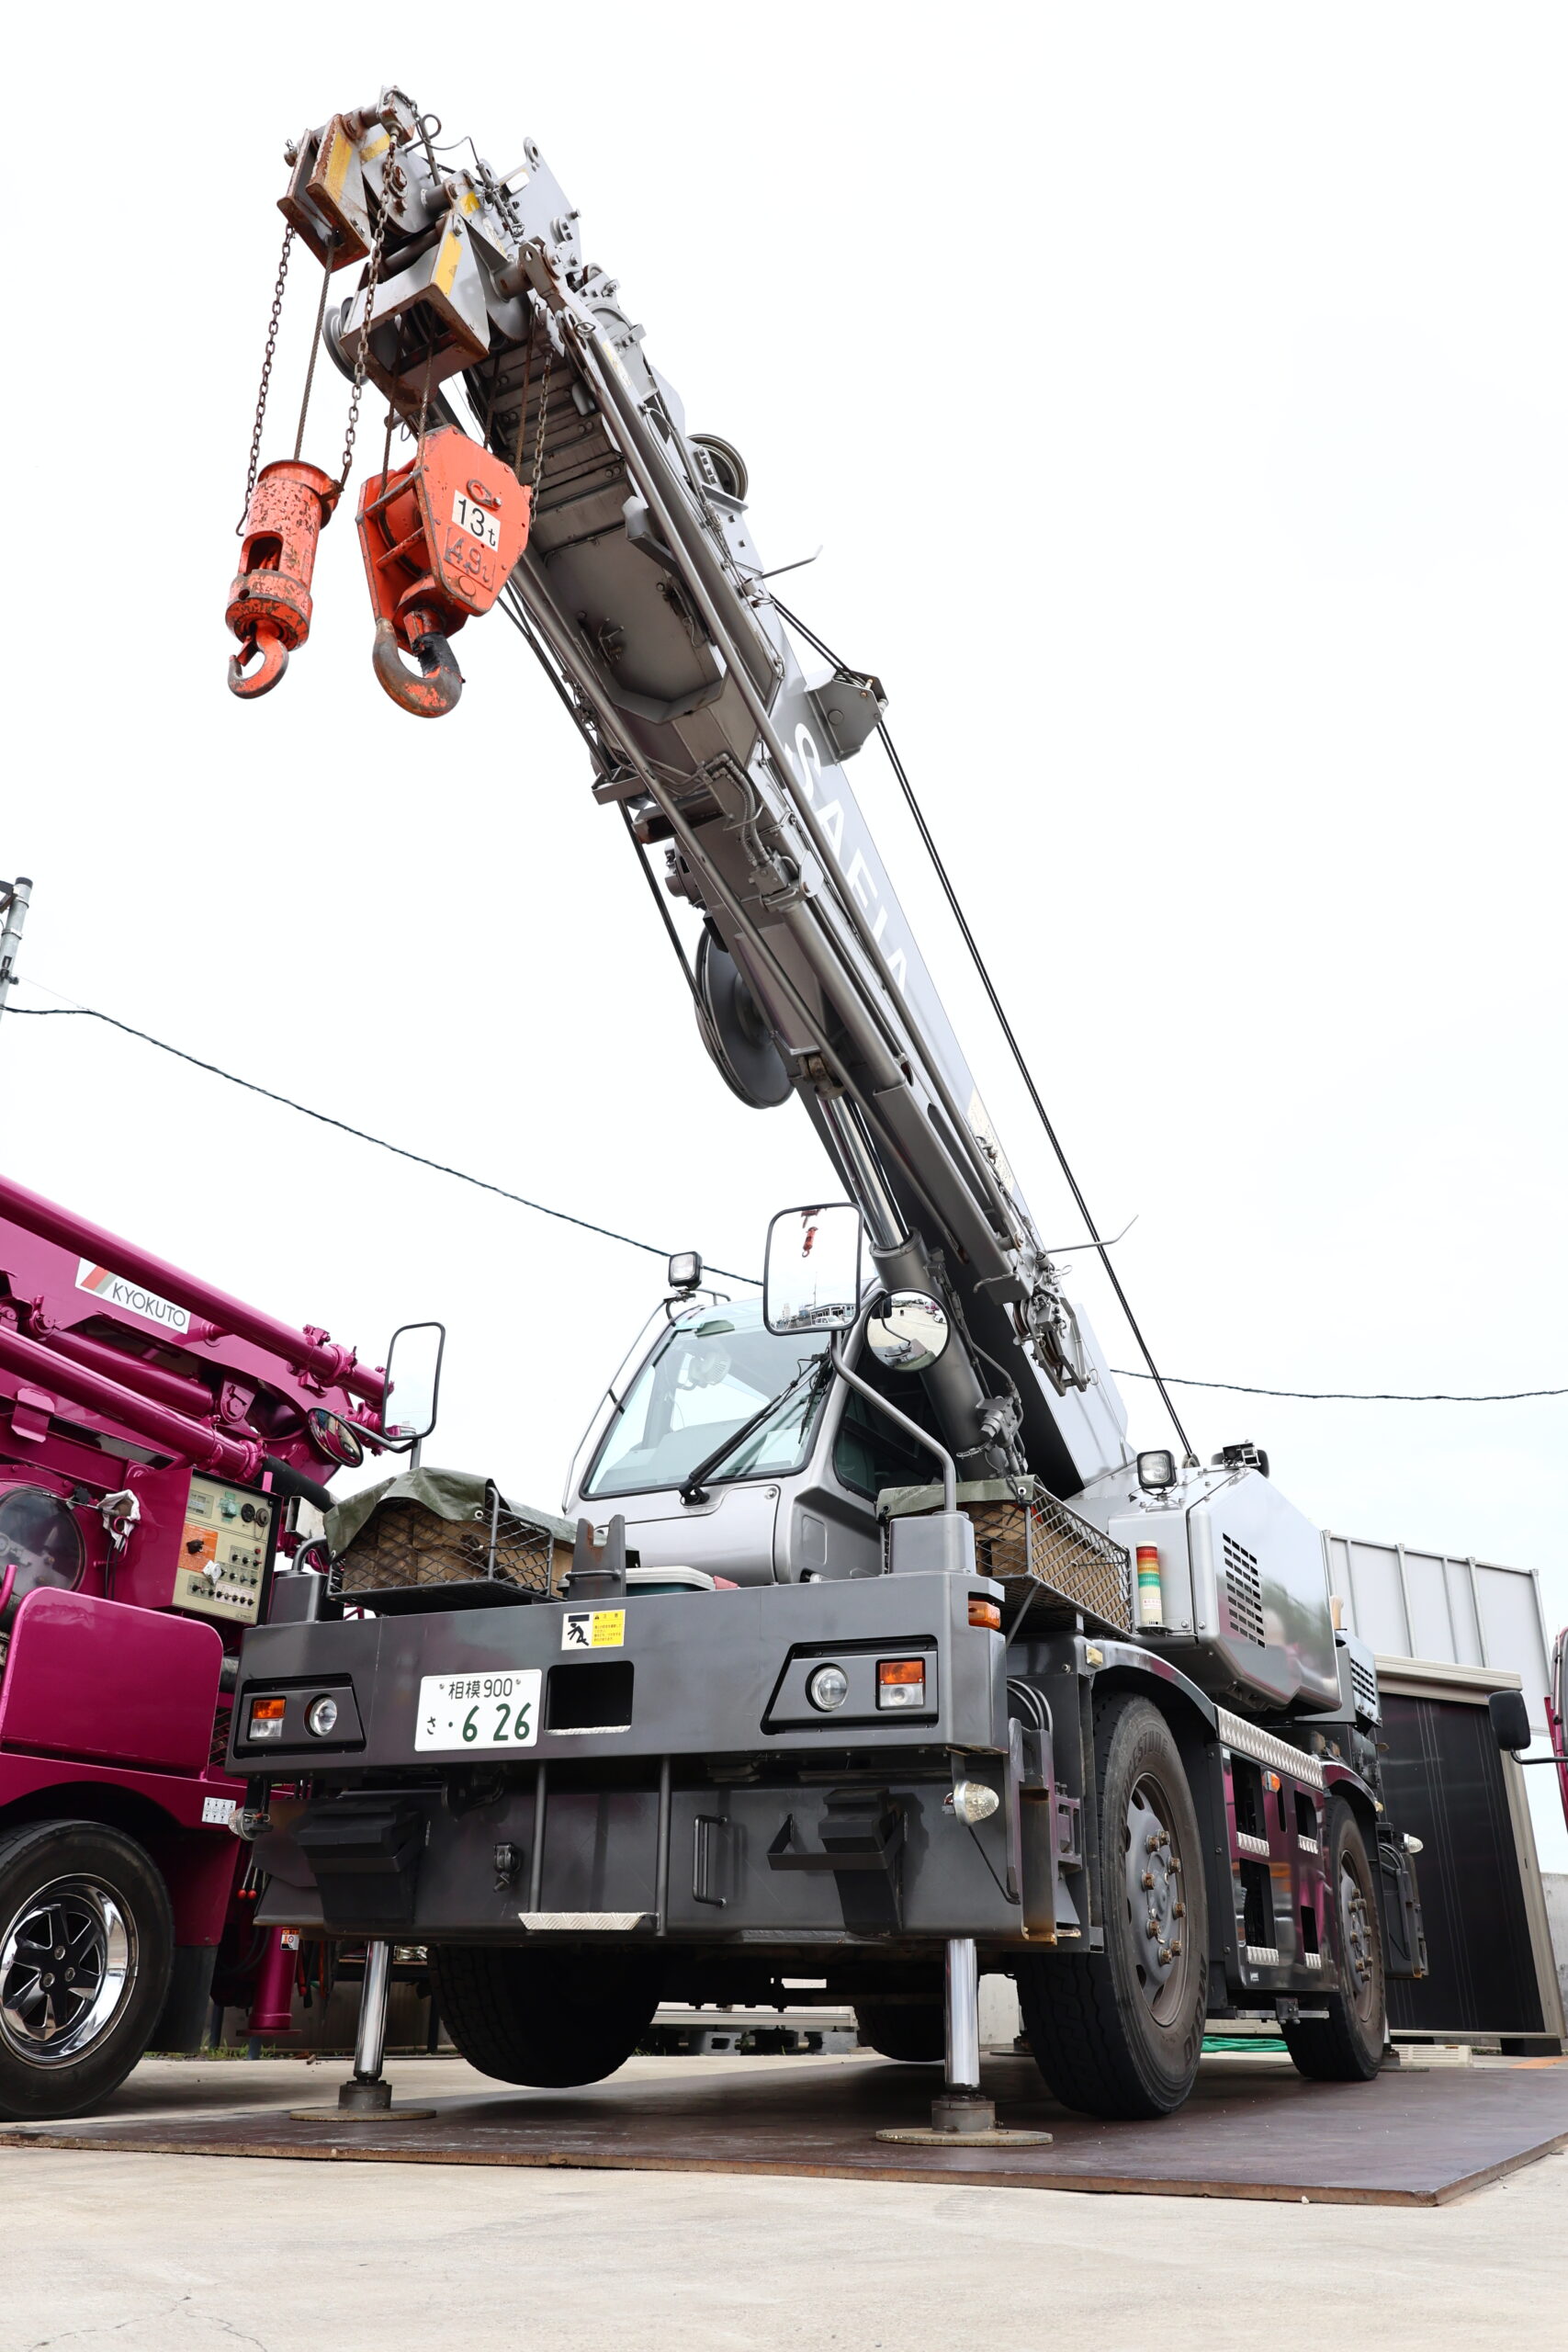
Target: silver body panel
1244 1588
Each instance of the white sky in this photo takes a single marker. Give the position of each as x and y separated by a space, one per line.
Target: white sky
1179 395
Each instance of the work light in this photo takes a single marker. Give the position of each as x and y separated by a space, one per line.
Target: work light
828 1688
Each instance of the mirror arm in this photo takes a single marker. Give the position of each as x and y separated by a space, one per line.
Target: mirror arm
891 1412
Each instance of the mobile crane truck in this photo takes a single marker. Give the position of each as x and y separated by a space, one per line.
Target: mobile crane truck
156 1437
884 1658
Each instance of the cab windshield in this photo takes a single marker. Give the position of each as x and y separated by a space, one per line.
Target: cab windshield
709 1375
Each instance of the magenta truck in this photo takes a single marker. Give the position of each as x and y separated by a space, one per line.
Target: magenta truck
157 1439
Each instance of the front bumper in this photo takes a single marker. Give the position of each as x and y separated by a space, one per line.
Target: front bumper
715 1804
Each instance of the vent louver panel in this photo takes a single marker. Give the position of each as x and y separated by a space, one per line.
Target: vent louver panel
1364 1685
1243 1593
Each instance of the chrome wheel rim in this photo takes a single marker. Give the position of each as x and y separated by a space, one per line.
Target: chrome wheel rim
1156 1911
67 1965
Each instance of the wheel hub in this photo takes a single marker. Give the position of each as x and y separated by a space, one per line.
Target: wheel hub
1155 1905
49 2012
1356 1930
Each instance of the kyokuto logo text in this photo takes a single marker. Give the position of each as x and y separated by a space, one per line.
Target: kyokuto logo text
115 1291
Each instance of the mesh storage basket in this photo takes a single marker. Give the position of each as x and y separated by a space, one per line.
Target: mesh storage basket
1043 1547
1054 1565
403 1542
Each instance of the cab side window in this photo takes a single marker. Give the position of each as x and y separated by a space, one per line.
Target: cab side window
869 1453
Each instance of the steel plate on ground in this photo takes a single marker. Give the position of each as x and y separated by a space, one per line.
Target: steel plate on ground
1419 2139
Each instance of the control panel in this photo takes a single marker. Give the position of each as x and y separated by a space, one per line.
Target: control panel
225 1552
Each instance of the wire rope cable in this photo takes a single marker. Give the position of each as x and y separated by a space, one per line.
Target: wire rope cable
1007 1029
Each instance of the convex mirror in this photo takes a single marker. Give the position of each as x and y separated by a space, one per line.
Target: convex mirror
413 1383
907 1331
811 1280
334 1439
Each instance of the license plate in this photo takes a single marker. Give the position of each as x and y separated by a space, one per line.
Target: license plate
478 1714
478 521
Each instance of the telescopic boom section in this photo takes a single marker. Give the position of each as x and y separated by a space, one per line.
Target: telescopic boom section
643 592
311 1353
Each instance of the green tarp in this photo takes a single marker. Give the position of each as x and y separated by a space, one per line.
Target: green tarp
896 1502
457 1495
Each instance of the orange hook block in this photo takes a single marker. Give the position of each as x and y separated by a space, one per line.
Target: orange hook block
269 604
439 538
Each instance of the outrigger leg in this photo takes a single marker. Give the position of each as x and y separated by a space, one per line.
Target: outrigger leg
367 2096
962 2114
960 2106
366 2091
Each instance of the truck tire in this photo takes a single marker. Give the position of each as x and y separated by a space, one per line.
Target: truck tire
1346 2045
86 1947
918 2036
552 2019
1119 2033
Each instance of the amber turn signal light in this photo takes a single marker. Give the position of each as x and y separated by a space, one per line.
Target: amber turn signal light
985 1613
901 1682
267 1719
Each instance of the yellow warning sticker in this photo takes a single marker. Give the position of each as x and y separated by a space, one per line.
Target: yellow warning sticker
594 1629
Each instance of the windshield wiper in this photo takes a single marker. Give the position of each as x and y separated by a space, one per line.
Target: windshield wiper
692 1489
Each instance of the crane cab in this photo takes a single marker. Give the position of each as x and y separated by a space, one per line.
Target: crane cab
792 1460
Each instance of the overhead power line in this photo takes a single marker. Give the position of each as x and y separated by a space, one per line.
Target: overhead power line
482 1183
1354 1396
609 1233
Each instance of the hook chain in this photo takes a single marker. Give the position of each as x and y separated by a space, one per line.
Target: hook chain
265 384
372 278
539 438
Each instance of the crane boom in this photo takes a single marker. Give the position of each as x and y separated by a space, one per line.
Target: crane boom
642 591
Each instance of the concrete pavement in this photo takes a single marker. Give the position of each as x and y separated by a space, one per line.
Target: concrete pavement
111 2253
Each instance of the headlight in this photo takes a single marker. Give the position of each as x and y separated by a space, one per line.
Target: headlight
828 1688
321 1718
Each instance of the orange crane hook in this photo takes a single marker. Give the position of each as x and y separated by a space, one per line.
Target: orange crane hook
269 602
439 537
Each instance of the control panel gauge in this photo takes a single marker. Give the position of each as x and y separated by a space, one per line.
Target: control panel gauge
225 1552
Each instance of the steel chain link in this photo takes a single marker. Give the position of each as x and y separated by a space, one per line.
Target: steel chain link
539 438
372 278
265 383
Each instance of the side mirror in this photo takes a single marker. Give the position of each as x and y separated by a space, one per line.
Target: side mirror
334 1439
908 1331
1510 1719
413 1383
812 1274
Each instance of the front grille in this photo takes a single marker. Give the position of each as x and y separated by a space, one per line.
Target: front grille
404 1544
1243 1594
